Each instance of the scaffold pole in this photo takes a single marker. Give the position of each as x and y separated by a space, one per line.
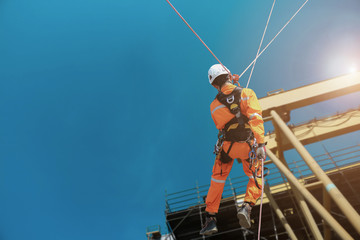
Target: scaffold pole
199 203
279 213
333 191
309 197
311 223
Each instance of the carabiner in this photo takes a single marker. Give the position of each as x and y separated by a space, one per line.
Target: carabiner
252 154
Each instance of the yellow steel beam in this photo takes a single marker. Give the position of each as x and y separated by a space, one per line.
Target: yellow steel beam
310 94
318 130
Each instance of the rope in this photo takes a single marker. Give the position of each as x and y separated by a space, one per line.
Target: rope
273 38
262 38
197 36
262 194
257 55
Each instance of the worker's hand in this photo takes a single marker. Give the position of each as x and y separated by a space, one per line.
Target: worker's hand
235 77
261 151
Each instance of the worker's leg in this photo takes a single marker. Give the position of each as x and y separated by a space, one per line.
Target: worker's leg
219 174
241 151
252 191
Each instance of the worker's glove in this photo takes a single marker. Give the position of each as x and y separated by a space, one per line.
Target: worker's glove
235 77
261 151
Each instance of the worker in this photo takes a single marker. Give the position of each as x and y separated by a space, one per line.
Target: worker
237 114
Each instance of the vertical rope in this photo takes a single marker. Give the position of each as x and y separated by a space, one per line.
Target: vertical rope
273 220
262 195
262 39
273 38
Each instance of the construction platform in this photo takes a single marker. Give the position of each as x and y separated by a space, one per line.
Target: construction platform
185 210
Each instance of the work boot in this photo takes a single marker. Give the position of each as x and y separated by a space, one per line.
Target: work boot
209 226
244 215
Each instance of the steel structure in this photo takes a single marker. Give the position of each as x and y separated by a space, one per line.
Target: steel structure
285 101
310 198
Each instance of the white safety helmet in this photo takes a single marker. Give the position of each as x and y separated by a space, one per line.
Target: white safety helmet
215 71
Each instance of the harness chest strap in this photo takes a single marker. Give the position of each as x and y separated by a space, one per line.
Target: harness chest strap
232 102
235 130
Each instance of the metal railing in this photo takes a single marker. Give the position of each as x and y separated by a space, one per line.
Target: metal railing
334 160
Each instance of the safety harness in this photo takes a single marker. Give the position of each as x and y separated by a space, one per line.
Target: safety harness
236 131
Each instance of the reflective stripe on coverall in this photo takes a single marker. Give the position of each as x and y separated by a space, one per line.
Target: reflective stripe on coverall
221 115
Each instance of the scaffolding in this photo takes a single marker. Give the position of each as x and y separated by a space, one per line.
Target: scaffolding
327 182
183 211
153 232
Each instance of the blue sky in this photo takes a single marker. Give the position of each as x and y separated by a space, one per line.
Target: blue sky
105 104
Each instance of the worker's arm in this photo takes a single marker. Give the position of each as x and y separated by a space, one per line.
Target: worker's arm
253 112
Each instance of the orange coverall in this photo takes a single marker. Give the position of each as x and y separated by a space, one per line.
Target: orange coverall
221 115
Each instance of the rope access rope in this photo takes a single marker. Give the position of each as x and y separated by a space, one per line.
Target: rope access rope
262 194
197 36
273 38
262 160
267 23
257 56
